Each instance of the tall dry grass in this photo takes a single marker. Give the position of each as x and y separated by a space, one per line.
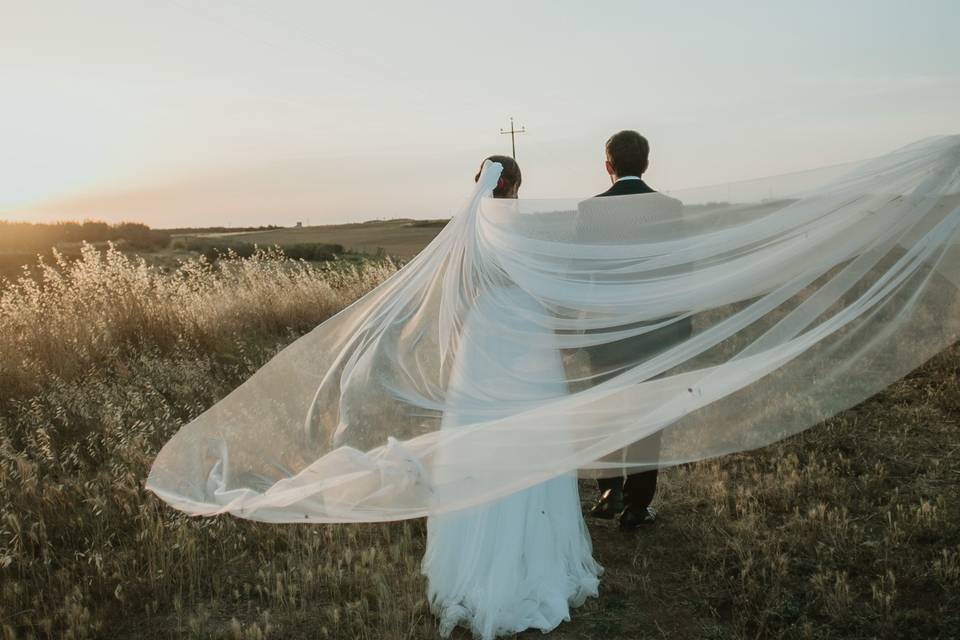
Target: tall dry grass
102 360
108 306
850 530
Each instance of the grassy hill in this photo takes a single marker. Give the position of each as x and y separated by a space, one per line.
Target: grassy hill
23 242
401 238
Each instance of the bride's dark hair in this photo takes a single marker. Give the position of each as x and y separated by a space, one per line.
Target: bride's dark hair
509 179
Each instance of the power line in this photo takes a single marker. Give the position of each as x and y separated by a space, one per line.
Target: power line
513 142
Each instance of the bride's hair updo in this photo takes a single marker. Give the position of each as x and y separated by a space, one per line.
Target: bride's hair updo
510 179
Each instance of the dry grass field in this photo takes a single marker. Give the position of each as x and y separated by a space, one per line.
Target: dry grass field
850 530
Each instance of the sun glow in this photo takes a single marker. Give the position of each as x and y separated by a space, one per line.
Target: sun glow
254 112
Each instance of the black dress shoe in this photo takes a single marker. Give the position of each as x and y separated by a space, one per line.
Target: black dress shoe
608 506
631 519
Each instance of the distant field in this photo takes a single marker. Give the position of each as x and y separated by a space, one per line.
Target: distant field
402 238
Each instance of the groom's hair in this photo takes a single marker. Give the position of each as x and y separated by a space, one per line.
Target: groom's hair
629 153
510 176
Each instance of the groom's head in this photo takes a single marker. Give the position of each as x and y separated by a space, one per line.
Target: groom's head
628 154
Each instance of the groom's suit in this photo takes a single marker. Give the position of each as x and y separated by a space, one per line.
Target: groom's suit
638 488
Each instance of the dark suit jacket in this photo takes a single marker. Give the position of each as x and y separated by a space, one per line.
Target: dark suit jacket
626 188
610 356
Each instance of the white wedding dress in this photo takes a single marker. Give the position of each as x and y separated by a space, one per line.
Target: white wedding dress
520 562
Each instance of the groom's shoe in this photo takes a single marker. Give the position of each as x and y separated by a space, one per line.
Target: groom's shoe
632 519
608 506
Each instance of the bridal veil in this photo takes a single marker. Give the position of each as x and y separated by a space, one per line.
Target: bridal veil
806 294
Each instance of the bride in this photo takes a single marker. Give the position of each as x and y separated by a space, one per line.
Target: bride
520 562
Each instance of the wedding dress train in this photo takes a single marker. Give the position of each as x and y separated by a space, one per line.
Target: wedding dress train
520 562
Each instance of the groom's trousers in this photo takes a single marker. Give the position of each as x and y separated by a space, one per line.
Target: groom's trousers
598 220
638 488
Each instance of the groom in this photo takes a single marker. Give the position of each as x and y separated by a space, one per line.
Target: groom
627 158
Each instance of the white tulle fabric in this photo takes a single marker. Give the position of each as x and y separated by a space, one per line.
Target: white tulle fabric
722 319
522 561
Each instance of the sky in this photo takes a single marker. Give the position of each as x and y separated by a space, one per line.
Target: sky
253 112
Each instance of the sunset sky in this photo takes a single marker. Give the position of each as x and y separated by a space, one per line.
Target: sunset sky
249 112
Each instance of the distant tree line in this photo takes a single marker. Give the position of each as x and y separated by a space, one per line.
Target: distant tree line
191 230
33 237
429 223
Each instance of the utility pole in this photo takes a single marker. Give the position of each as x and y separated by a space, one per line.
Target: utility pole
513 142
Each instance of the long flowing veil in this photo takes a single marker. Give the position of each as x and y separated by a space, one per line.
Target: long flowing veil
798 299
